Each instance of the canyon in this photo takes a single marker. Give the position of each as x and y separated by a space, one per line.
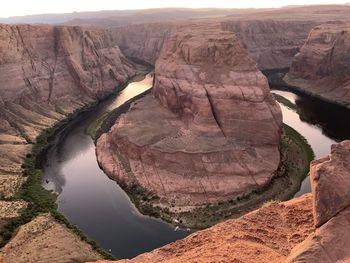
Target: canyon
322 66
271 43
182 143
209 132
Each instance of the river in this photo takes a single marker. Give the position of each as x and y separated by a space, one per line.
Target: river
93 202
102 210
320 122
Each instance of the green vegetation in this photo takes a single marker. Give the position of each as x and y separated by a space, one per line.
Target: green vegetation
296 170
94 126
285 102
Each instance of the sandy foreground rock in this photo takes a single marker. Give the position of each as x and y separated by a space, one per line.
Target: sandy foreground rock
322 67
43 240
194 140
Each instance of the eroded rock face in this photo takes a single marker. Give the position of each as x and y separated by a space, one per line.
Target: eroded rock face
272 43
330 184
322 67
142 41
46 73
209 132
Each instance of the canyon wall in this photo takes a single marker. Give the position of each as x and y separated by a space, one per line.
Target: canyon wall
271 43
46 73
194 140
142 41
322 67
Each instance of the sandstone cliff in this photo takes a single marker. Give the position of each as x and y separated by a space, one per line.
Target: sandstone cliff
142 41
209 132
47 73
272 43
322 67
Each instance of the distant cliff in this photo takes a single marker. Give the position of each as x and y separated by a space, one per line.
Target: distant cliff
142 41
322 67
271 43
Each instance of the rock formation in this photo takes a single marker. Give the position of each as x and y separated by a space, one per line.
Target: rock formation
142 41
272 43
210 130
47 73
322 67
330 185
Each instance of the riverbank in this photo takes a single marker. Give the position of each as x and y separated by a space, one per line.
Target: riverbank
41 201
296 156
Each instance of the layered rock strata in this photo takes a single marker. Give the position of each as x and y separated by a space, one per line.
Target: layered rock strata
47 73
142 41
210 130
322 67
272 43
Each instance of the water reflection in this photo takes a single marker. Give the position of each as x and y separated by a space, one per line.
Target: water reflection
320 122
89 199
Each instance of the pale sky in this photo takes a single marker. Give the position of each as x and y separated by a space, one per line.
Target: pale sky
29 7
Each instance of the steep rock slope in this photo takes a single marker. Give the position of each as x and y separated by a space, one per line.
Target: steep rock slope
194 141
271 43
322 67
142 41
47 73
330 185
